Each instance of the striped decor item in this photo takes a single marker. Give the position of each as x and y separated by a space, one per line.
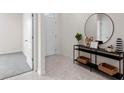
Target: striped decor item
119 45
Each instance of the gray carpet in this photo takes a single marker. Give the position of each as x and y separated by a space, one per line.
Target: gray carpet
13 64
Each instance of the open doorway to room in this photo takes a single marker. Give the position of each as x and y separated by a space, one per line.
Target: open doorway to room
16 44
52 41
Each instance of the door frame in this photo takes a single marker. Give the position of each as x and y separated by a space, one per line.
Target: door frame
38 44
33 50
34 42
41 44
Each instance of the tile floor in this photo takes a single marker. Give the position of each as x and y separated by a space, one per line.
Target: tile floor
61 68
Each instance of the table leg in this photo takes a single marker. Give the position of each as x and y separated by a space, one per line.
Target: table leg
123 65
73 54
90 62
96 59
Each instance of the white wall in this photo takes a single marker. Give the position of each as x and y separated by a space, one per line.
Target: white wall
10 33
73 23
70 25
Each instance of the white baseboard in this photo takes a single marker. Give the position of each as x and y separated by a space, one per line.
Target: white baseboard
9 52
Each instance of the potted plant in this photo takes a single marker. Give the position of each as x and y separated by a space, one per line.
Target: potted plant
78 36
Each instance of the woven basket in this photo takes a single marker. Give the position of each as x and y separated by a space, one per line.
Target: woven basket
109 69
83 59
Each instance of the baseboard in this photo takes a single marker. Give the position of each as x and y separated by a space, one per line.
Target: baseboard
4 53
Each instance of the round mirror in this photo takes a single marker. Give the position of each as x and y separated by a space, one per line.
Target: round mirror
99 26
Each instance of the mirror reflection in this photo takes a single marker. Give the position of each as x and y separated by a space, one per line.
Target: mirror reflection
99 26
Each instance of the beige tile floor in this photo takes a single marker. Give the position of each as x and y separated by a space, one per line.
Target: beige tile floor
61 68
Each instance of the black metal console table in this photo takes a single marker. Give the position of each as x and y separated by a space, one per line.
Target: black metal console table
100 52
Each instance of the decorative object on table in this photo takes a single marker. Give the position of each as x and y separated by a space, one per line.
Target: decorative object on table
99 43
88 40
83 59
91 38
110 48
119 45
78 36
108 69
94 45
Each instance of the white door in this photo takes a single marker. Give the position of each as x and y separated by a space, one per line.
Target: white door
27 37
50 29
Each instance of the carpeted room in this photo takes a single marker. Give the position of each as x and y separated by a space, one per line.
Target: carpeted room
13 59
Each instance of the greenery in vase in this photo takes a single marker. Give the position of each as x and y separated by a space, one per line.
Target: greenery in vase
78 36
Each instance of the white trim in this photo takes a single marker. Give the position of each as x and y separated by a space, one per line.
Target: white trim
41 46
2 53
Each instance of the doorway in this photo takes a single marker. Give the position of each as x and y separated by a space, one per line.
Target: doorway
16 44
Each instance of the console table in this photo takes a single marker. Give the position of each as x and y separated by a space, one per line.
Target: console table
100 52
